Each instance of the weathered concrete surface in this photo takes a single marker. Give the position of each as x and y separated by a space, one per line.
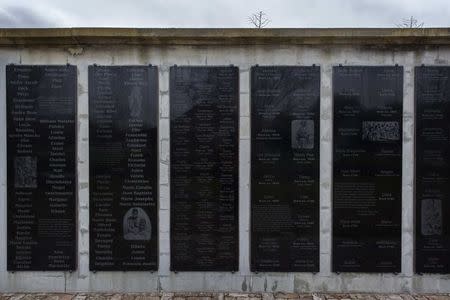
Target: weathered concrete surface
221 296
224 36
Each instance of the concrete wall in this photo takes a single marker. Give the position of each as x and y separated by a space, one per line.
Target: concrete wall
244 57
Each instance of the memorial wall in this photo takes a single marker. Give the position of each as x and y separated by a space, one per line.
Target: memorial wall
236 167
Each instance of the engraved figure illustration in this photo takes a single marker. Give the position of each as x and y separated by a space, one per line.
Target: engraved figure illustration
302 136
25 172
135 102
380 131
431 217
136 225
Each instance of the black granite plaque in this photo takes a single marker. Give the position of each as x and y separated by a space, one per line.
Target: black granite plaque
41 122
204 187
285 122
123 160
432 93
367 171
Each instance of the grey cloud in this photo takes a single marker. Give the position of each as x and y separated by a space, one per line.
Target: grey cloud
21 16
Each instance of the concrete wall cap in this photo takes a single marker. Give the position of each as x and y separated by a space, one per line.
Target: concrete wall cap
223 36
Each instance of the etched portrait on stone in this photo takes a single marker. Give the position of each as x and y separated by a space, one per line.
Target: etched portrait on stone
380 131
25 168
302 136
431 217
135 102
136 225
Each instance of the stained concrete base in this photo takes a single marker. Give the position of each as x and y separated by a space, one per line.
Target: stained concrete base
222 296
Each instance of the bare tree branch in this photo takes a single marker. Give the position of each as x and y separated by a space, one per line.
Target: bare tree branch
410 23
259 19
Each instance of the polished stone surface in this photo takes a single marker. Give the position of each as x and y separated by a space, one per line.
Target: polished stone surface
123 160
285 123
367 169
432 92
204 165
41 124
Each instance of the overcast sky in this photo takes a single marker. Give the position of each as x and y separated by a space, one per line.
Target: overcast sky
220 13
